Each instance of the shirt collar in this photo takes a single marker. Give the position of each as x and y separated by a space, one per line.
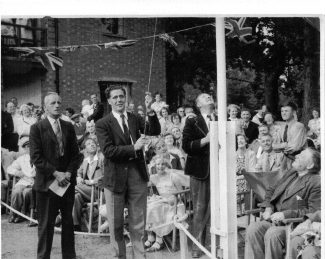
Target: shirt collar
95 159
51 120
118 115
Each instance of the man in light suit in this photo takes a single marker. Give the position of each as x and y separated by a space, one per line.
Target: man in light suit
196 140
269 160
55 154
90 171
125 173
295 195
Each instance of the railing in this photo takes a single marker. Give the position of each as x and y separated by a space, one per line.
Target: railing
23 36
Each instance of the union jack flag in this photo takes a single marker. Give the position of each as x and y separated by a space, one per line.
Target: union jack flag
237 29
168 39
119 44
45 57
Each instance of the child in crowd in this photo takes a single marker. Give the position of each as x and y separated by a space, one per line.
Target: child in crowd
160 208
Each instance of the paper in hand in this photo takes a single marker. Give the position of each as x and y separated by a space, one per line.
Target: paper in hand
58 190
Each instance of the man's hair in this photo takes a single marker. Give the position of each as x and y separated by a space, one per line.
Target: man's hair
108 90
316 157
290 104
198 97
245 110
70 110
48 95
267 135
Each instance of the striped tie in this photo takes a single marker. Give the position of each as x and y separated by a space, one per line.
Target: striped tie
58 134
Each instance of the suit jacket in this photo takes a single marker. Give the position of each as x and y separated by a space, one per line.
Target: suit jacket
251 132
96 172
116 151
300 199
45 156
275 161
9 139
98 113
198 159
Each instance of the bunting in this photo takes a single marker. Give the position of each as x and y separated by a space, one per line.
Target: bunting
45 57
237 29
119 44
169 39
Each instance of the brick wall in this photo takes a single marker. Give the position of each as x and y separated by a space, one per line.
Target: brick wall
84 67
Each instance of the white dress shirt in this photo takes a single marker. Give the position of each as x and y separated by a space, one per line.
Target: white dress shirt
119 120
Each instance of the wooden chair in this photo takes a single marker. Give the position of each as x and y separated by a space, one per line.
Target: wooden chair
96 199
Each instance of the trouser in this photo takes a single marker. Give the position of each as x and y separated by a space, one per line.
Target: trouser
48 205
82 195
21 198
200 191
263 240
135 196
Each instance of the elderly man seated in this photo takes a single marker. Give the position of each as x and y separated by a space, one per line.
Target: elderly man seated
268 160
90 171
22 191
295 195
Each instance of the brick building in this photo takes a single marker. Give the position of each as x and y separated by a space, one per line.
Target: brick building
85 71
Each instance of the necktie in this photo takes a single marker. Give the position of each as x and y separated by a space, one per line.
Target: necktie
126 130
58 134
267 163
285 134
209 118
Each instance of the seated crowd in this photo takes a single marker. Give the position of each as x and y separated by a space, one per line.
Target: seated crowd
263 144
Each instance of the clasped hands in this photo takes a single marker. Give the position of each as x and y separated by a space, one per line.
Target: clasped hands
62 177
88 182
276 217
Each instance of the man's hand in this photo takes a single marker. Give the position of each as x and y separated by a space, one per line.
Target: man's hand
288 150
277 217
267 214
61 177
68 176
141 142
205 140
148 101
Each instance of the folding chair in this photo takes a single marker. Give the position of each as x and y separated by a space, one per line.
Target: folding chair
96 199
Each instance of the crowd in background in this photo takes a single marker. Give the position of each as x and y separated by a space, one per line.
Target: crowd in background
263 143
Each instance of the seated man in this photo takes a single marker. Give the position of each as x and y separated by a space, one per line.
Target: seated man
256 145
22 191
305 237
268 160
295 195
89 173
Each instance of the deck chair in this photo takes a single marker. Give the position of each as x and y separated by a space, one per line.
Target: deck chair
96 199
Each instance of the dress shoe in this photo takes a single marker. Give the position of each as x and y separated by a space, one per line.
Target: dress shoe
196 254
11 219
19 219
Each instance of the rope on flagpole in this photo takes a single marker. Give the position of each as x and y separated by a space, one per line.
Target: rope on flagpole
56 228
152 52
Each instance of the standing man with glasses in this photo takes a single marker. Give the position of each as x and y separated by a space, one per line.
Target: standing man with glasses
55 154
125 175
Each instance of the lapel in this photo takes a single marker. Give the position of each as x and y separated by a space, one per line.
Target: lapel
93 170
49 128
295 189
283 183
201 125
84 168
272 160
64 133
116 127
132 121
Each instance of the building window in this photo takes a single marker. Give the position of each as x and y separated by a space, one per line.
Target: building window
103 85
112 26
22 32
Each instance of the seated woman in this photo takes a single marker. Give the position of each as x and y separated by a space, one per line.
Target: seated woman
176 122
22 191
25 121
160 148
172 149
245 160
164 120
160 209
91 170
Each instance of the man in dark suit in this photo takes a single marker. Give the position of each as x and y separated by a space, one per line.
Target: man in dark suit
250 128
97 107
196 139
55 154
295 195
125 175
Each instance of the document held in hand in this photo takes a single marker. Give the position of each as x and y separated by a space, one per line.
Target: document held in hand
58 190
